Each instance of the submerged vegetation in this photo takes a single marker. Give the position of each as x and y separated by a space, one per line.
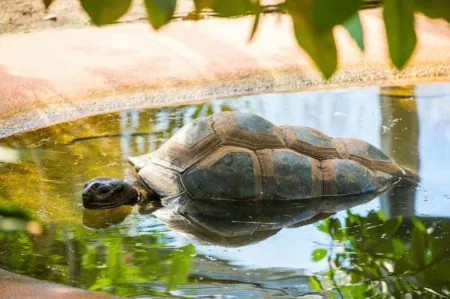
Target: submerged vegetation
313 20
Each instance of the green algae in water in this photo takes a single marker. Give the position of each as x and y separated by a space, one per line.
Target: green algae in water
393 245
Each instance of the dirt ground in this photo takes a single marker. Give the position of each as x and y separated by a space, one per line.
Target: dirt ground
30 15
22 16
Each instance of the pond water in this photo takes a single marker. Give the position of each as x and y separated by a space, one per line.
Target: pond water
395 244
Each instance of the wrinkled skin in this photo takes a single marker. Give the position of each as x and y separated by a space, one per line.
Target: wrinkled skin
105 193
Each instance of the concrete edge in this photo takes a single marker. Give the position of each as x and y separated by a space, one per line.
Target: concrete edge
28 120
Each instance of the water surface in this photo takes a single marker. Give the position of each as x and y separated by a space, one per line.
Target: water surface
395 244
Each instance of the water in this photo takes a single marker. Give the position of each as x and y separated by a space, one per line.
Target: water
394 245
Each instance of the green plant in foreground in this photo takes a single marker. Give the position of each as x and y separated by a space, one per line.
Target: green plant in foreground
374 257
13 219
99 260
313 21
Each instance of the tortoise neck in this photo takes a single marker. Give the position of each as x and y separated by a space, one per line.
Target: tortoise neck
145 194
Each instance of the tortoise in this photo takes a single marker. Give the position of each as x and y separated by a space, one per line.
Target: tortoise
243 157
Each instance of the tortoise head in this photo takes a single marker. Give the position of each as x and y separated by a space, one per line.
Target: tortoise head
105 193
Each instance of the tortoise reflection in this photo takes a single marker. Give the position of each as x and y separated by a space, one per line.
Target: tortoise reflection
98 219
231 223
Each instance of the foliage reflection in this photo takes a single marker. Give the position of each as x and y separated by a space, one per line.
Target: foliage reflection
372 256
99 260
56 161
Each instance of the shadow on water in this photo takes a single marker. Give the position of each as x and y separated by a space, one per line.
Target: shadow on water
393 245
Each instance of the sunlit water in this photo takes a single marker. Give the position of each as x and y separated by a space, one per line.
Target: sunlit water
44 172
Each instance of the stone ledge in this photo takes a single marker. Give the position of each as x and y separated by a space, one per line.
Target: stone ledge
58 75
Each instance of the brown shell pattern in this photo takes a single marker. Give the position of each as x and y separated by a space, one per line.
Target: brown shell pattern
240 156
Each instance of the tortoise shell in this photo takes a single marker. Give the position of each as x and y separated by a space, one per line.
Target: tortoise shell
241 156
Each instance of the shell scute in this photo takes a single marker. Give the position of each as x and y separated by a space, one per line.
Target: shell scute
313 137
310 141
193 133
189 145
370 156
247 130
297 176
229 173
254 124
346 177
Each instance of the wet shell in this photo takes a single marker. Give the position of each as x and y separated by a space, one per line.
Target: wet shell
240 156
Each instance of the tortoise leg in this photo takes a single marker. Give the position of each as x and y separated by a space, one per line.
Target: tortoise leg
313 219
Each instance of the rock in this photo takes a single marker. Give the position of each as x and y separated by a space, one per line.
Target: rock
53 18
14 285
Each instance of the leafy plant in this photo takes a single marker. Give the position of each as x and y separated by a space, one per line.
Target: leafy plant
313 21
374 257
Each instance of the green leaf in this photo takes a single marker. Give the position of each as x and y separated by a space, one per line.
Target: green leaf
399 21
331 295
418 250
325 14
233 8
438 274
360 290
373 218
392 225
160 12
324 226
336 231
434 8
320 46
209 109
354 28
388 229
180 266
197 111
225 107
386 247
402 265
318 254
315 284
13 212
437 248
104 12
398 249
13 218
255 26
419 225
